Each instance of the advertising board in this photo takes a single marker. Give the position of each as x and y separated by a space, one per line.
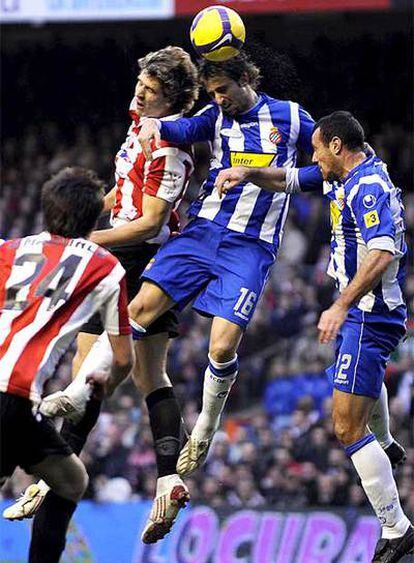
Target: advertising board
105 533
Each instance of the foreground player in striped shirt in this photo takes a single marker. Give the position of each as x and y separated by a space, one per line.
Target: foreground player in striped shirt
50 284
143 207
222 258
367 320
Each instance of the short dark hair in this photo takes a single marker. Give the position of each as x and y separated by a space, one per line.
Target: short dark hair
72 201
233 68
344 125
173 67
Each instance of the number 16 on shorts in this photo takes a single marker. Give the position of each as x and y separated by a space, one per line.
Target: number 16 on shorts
245 303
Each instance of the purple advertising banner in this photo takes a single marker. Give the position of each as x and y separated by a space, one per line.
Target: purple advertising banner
253 536
109 533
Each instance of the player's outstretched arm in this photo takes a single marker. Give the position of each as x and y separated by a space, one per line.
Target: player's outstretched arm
289 180
271 179
366 278
181 131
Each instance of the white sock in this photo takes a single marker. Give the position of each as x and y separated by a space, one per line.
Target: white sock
165 483
374 468
379 421
218 380
98 360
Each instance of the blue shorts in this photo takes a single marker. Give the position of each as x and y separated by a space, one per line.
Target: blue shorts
223 271
362 352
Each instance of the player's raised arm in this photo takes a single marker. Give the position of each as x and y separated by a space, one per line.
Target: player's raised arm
150 132
181 131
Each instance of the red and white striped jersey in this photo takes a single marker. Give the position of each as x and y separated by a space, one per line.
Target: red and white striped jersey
166 177
49 287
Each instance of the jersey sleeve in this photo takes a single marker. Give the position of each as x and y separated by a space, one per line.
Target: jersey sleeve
370 205
306 125
305 179
188 130
310 179
114 312
167 174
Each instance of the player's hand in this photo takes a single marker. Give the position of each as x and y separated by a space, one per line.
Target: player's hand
229 178
330 322
149 132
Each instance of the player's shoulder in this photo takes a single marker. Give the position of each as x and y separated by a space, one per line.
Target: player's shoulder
7 248
270 100
176 152
29 240
287 109
369 177
212 108
273 104
9 244
100 254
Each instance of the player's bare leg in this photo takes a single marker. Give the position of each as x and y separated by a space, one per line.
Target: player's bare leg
219 377
151 379
68 479
351 414
57 404
149 304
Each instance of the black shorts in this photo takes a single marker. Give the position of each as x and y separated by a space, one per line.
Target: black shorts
25 439
135 259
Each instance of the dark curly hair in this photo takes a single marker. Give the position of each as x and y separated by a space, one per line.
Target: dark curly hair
260 63
232 68
72 201
177 74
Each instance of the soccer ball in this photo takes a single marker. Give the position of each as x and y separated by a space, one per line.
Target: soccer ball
217 33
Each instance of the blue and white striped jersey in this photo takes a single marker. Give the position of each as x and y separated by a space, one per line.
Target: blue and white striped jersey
268 134
367 213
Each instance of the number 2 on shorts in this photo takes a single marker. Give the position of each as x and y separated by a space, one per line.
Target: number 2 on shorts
345 362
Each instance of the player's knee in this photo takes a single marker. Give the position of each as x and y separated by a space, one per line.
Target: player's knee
136 308
75 483
347 430
221 352
80 483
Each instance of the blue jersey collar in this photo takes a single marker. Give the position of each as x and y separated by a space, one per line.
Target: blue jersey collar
367 162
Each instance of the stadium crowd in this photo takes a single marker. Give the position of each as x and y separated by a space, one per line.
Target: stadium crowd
276 446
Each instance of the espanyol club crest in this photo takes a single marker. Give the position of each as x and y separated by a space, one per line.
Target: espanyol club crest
275 136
